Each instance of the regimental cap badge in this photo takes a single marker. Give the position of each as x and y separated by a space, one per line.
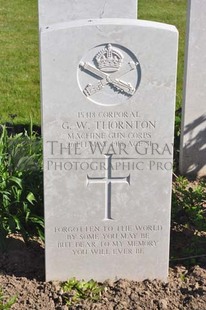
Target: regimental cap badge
109 59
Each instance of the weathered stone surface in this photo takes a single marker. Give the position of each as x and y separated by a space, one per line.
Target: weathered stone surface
58 11
193 140
108 98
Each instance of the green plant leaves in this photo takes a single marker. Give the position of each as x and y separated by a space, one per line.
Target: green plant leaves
21 185
30 197
5 302
189 203
76 290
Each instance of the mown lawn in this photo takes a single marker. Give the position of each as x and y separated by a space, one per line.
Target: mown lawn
172 12
19 61
19 57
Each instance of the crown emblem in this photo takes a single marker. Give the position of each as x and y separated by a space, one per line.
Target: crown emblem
109 59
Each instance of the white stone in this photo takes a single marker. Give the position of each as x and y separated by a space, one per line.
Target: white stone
108 223
193 138
59 11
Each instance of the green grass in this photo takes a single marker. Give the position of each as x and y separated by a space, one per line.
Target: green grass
19 74
19 56
172 12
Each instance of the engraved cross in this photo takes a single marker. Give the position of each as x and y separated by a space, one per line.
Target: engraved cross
108 180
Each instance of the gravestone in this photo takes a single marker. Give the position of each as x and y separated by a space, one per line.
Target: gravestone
59 11
193 133
108 98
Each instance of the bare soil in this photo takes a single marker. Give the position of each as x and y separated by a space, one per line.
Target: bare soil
22 274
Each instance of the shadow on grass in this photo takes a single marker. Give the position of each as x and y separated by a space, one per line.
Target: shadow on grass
18 128
187 247
188 225
193 153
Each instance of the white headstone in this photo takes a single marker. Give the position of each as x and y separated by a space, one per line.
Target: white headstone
193 134
59 11
108 98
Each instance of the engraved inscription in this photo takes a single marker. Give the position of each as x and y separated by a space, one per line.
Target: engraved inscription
109 239
130 135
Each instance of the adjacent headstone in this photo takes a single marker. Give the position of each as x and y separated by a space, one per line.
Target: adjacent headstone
59 11
108 98
193 134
